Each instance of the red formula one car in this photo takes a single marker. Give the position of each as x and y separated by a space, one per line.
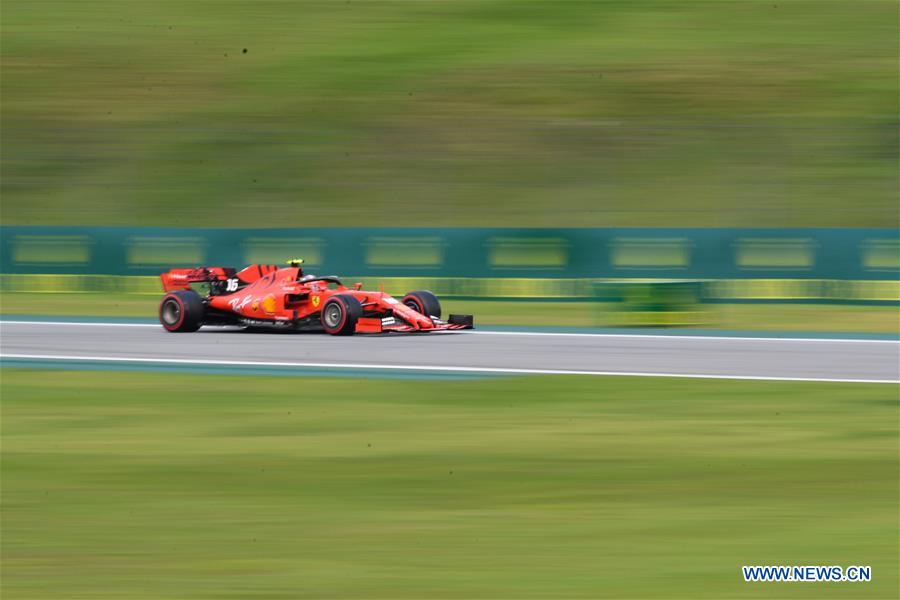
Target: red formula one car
266 296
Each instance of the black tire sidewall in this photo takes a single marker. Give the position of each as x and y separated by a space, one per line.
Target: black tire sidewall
351 311
192 311
162 305
427 303
334 301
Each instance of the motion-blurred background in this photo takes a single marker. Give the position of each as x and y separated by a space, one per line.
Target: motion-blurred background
538 163
450 113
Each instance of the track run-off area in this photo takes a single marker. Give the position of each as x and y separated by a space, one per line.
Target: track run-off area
486 352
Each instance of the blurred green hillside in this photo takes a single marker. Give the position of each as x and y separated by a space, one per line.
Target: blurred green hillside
520 113
157 485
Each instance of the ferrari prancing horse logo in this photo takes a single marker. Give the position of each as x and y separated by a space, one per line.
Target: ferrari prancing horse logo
316 300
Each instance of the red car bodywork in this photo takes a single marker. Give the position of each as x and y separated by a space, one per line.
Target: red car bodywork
285 297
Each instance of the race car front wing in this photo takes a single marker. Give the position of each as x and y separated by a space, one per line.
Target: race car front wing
394 325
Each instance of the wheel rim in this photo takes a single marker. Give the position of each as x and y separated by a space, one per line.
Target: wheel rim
415 306
171 312
333 315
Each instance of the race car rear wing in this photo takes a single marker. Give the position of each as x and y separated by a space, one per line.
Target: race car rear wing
181 279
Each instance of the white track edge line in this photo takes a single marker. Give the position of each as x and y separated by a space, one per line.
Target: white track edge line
449 369
533 333
77 324
687 337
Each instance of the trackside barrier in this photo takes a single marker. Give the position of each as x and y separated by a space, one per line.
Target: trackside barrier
635 266
744 290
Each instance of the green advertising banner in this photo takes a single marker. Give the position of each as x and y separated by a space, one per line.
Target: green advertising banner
733 264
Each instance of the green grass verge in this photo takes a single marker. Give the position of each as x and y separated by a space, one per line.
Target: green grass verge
773 317
139 485
450 112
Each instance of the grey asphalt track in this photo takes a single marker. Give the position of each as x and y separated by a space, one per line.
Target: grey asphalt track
478 351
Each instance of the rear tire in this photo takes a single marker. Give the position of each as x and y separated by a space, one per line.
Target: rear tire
182 311
340 313
423 302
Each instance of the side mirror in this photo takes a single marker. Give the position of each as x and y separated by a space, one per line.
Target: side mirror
357 286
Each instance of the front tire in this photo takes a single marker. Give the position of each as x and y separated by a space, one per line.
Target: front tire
423 302
182 311
340 313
